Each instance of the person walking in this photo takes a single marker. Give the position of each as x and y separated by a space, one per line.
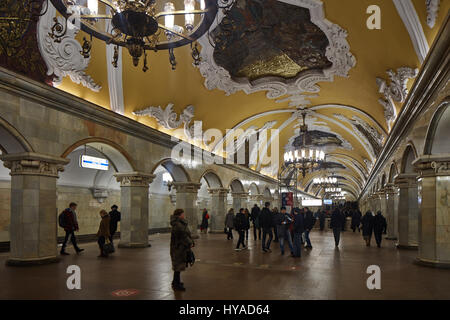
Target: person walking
70 224
308 225
297 231
379 227
336 224
255 220
104 232
247 223
367 227
356 220
266 222
180 245
115 216
229 224
204 224
322 220
240 224
283 221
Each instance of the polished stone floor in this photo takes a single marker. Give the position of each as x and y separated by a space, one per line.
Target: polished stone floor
222 273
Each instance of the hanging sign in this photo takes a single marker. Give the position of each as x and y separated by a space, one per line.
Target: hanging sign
93 163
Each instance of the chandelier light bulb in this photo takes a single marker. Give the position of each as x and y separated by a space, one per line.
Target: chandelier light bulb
169 19
189 5
93 6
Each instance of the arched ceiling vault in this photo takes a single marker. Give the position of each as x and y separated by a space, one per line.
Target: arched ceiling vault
344 98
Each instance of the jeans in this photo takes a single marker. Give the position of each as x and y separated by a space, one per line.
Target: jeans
378 238
70 234
254 232
229 233
265 233
297 244
287 236
176 278
241 238
246 234
337 235
275 232
308 241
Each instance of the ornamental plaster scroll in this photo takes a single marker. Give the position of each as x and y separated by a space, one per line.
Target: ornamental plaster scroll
169 119
432 11
63 56
134 179
395 91
338 52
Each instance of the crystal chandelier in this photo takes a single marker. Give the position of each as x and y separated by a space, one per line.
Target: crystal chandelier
306 158
140 25
325 182
332 190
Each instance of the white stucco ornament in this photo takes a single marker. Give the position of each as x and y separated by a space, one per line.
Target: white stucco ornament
432 12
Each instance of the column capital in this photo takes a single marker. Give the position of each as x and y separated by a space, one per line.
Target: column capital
390 188
134 179
240 195
186 187
218 191
433 165
405 180
31 163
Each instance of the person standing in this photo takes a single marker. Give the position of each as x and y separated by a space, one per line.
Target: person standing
255 219
367 227
336 224
229 224
204 224
240 226
308 225
297 232
180 245
247 223
266 222
356 220
115 216
104 232
379 227
322 220
275 231
70 225
283 221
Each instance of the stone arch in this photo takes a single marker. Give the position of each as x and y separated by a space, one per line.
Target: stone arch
267 193
253 189
393 171
11 140
178 173
383 180
212 179
408 157
436 140
236 186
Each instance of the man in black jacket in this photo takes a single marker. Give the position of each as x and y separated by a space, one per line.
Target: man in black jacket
379 227
310 220
337 220
297 231
255 219
115 218
266 222
240 224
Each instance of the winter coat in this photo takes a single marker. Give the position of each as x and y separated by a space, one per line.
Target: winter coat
337 220
266 219
204 224
229 220
70 220
282 227
309 220
180 242
247 221
104 228
115 218
379 224
356 219
255 217
298 225
367 224
240 222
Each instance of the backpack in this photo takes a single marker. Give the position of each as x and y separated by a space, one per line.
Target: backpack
62 219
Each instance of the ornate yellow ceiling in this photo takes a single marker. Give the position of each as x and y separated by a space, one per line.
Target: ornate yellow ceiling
345 106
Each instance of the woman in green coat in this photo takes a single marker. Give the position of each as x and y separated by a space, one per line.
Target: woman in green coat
180 244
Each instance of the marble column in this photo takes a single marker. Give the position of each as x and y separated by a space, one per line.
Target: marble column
434 213
391 212
382 201
33 227
186 200
408 211
239 201
218 209
134 208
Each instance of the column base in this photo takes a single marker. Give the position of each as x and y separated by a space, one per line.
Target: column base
432 264
134 245
13 262
391 238
407 247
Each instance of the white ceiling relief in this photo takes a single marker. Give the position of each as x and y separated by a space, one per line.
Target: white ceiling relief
60 50
338 53
432 11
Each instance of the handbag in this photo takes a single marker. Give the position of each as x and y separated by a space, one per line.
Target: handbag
108 247
190 258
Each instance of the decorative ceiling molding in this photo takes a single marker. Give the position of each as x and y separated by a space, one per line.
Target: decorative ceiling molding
169 119
338 53
432 11
250 131
349 164
407 12
115 82
63 55
396 91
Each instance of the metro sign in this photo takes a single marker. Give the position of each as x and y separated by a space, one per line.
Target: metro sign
93 163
